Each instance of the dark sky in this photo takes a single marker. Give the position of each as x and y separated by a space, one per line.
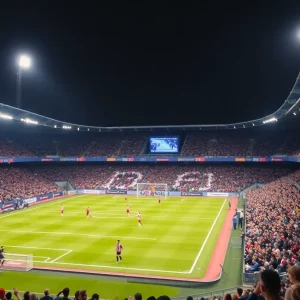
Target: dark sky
151 63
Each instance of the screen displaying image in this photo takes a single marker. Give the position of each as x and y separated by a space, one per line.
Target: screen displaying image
164 144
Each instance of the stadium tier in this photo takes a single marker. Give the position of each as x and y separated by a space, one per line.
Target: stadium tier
28 181
234 143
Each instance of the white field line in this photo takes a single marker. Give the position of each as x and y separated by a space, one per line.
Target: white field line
39 206
183 199
79 234
206 239
38 248
54 260
122 268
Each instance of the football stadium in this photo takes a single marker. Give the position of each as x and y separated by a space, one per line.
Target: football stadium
148 154
181 207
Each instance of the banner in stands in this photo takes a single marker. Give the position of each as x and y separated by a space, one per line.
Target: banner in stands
150 159
191 193
116 192
218 194
186 158
240 159
31 200
200 159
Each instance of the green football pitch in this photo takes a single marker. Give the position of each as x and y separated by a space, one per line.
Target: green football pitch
177 237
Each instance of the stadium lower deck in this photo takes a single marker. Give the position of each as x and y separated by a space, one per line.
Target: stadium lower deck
177 240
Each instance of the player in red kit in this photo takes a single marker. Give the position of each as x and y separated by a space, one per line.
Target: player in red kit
139 219
88 212
62 210
128 210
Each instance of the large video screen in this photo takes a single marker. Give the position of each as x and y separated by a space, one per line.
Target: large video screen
167 144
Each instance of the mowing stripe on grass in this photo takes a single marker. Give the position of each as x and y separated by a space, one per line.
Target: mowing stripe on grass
115 267
38 206
79 234
206 239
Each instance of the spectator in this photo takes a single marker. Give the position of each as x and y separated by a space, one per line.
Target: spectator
65 292
33 297
296 293
2 294
227 297
46 295
189 298
26 295
82 295
239 292
294 278
8 296
268 286
138 296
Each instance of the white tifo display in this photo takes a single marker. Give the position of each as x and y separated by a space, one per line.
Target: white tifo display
152 190
17 262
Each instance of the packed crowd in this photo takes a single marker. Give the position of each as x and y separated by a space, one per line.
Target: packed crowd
272 239
206 143
29 181
19 182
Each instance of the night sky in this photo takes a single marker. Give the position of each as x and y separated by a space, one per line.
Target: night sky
151 64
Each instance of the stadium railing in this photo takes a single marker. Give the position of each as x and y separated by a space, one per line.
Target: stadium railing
209 295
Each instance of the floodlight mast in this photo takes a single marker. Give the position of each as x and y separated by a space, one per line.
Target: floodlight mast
23 63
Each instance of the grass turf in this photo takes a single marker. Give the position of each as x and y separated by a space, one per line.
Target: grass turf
168 243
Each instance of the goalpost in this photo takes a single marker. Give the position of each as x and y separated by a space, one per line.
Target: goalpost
17 262
152 189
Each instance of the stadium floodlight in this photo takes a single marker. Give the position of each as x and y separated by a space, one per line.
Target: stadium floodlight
29 121
88 129
24 62
253 124
5 116
66 127
234 127
55 126
270 120
78 129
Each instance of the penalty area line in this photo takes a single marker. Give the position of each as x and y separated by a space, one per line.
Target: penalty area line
206 239
54 260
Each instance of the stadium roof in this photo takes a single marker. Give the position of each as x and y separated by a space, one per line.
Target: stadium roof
290 107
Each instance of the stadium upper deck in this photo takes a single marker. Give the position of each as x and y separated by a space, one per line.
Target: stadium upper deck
233 143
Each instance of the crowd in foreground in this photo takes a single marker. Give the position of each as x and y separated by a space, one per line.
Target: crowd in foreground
268 287
272 237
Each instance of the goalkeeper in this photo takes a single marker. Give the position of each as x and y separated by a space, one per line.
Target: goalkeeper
2 260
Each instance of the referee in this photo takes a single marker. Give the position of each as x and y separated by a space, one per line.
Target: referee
2 260
119 249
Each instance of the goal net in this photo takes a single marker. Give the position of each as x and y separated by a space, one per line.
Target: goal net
17 262
152 190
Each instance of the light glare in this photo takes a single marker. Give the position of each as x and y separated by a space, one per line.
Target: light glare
5 116
24 62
